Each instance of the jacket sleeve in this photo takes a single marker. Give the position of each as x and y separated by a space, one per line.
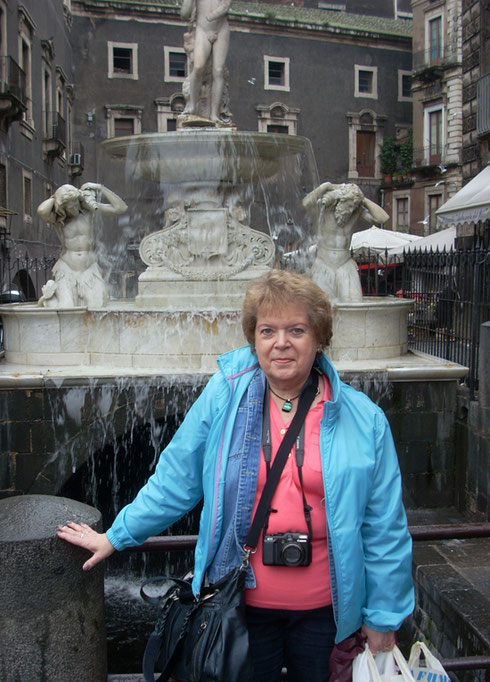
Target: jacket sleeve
176 486
387 542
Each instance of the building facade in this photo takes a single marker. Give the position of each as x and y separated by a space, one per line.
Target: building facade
36 104
476 87
436 172
75 72
332 76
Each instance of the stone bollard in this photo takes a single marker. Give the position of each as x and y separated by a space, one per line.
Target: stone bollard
52 621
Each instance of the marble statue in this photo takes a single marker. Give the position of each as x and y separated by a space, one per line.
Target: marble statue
206 46
77 279
337 210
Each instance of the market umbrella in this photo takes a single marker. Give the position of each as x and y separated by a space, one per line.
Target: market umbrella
375 240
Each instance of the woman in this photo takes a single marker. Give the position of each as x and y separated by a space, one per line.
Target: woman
359 574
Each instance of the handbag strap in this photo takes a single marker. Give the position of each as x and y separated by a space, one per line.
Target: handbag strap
306 398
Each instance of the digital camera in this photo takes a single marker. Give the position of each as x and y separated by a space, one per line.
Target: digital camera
286 549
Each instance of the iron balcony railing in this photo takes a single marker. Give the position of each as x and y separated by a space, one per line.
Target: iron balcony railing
431 155
55 127
433 58
12 80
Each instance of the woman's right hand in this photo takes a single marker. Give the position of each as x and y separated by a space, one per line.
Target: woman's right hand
83 536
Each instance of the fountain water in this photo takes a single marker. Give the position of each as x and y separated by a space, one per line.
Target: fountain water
209 207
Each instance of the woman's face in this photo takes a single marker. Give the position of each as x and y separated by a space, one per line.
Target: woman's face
286 347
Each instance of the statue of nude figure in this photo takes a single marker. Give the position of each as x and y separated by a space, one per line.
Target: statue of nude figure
337 209
212 35
77 276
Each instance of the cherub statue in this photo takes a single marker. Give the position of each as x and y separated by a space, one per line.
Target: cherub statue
77 276
337 209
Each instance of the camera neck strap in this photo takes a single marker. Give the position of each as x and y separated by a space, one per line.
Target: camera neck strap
299 453
306 398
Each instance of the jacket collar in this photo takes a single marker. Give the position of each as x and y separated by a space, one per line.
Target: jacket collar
242 362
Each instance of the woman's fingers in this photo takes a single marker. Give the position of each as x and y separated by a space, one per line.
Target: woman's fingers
82 535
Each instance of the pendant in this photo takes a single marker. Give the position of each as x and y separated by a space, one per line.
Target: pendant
287 407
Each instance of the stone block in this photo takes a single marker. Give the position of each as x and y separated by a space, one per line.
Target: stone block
6 471
425 554
52 617
27 470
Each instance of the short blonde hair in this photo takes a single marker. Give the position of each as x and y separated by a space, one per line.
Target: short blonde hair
279 288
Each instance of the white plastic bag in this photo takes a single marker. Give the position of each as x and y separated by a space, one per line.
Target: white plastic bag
384 667
432 671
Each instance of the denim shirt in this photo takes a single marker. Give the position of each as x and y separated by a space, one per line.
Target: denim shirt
241 482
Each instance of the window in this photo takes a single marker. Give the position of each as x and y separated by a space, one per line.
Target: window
168 109
404 86
3 30
276 73
47 106
402 221
123 60
434 201
434 133
435 40
27 195
123 126
365 139
3 184
277 118
123 120
26 33
175 60
25 64
284 130
366 81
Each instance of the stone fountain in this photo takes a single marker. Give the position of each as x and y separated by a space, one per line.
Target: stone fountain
83 376
222 197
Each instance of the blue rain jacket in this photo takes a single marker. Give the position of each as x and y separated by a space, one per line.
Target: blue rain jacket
369 542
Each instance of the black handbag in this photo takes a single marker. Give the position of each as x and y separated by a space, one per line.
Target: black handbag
205 638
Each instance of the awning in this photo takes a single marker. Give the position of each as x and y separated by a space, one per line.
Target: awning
443 239
470 205
377 240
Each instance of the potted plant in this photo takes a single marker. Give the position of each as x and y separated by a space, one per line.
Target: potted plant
406 155
388 158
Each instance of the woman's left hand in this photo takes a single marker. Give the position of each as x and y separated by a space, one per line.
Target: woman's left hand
379 641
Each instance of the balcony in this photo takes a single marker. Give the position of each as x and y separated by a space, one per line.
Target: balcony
429 65
436 155
54 139
13 95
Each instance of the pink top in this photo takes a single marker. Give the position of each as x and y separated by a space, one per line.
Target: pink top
295 587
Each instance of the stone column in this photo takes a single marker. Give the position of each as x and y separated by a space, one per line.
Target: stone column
52 613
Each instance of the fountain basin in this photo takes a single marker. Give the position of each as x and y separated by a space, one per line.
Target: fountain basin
206 156
371 334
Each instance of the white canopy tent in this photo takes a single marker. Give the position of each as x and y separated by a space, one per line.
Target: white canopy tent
377 240
470 205
444 239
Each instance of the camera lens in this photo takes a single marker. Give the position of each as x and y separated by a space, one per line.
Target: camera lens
292 554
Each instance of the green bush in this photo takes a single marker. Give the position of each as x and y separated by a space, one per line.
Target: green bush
388 156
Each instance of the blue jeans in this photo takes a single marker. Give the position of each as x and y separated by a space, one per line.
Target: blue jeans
300 640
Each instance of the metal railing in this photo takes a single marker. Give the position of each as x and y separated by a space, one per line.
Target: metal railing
431 155
12 80
431 58
54 127
24 274
451 291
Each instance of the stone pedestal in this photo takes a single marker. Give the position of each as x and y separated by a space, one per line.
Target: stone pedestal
52 615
